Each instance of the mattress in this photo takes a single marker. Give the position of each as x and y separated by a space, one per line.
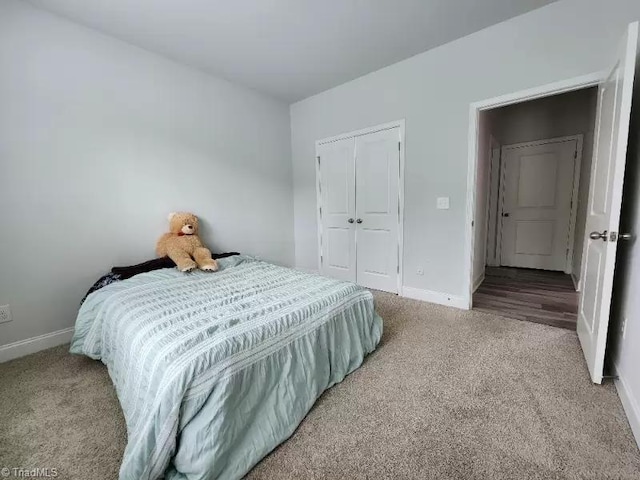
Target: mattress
214 370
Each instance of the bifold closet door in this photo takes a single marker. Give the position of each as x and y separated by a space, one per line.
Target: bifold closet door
338 205
377 212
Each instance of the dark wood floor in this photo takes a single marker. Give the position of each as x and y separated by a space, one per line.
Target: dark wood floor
533 295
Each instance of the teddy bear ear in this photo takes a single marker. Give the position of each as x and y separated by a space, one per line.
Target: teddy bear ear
171 215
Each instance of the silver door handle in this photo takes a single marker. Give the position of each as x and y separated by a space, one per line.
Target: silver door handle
505 214
359 220
599 236
350 220
616 237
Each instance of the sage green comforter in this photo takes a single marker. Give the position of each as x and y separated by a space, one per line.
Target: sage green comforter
214 370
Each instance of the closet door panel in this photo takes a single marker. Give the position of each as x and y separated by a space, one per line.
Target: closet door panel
337 207
377 188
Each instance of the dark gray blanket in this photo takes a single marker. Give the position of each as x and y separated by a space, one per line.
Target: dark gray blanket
122 273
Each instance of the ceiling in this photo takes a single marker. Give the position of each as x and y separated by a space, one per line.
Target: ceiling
289 49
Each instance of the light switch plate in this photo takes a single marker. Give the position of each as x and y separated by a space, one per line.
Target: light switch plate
442 203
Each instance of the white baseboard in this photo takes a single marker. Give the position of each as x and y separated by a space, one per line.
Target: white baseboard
576 282
630 404
477 282
307 270
435 297
35 344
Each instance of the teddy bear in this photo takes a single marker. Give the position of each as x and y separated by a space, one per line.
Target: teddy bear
183 245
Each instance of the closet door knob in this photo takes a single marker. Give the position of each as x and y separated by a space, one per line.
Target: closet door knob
350 220
359 220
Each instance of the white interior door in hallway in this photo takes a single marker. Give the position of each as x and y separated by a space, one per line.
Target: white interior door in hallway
359 208
537 200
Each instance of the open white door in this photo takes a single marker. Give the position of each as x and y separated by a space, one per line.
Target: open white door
605 199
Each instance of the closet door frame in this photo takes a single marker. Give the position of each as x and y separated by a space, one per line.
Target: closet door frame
400 125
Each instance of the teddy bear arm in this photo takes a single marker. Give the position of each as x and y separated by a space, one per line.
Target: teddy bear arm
161 246
196 242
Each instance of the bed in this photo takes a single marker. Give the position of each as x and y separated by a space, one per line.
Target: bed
214 370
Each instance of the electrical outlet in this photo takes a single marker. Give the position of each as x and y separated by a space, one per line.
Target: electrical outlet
5 314
623 328
419 271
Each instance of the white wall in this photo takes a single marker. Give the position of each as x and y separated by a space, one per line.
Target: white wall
625 352
549 117
99 140
562 115
486 131
491 250
432 91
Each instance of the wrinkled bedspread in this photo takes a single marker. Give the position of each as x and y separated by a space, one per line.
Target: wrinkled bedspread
214 370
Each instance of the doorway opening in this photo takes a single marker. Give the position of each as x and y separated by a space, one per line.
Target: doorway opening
601 236
532 188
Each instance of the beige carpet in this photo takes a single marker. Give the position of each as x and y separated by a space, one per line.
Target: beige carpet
448 394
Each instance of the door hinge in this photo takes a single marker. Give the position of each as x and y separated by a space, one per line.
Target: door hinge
398 146
575 154
318 157
320 211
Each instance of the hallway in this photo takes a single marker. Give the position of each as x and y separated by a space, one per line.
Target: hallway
532 295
